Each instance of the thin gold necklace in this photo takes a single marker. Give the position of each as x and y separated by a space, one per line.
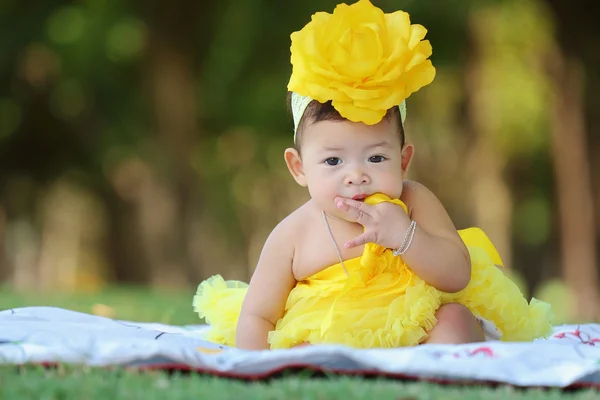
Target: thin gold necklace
337 249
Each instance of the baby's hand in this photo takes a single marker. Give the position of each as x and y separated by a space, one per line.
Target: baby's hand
385 223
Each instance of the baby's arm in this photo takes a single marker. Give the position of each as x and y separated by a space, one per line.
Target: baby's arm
269 288
437 253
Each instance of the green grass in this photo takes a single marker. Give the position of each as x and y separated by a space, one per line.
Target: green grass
76 382
129 303
83 383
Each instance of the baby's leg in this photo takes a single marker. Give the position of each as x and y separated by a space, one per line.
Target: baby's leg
455 325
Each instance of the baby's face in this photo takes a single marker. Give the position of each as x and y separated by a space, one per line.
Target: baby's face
353 160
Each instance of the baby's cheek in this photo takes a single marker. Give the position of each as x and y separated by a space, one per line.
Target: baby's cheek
393 187
324 191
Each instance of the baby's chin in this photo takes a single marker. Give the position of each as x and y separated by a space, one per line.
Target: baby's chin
330 209
339 215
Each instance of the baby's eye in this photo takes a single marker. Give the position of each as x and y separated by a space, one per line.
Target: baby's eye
376 159
333 161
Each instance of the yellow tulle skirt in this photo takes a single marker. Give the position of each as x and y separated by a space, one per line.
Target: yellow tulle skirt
381 303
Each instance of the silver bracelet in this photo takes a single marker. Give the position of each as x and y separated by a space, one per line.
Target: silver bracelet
408 238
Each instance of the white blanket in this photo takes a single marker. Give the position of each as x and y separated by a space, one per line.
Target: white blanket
52 335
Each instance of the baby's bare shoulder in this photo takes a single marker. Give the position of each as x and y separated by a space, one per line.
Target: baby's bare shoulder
413 193
293 224
420 200
286 236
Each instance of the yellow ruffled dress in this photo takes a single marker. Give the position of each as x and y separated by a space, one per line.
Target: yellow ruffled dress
381 303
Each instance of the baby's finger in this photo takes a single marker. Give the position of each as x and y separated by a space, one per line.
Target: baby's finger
357 210
366 237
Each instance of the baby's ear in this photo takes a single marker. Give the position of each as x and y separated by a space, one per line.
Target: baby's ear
294 164
407 155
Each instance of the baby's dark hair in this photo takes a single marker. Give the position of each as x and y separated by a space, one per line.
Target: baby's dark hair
316 112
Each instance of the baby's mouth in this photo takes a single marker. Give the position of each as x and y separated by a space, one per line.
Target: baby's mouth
359 197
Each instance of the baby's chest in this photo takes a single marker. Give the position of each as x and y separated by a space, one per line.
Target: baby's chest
317 251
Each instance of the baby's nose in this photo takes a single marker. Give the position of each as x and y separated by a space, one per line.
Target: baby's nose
357 178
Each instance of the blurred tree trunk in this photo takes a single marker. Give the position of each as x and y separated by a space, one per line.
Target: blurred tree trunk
594 137
169 206
574 190
575 70
4 270
491 198
127 260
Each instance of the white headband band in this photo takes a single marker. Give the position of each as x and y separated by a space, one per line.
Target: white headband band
299 104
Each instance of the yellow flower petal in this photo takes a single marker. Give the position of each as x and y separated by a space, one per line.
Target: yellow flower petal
324 93
358 94
398 24
357 114
386 100
419 76
422 52
417 33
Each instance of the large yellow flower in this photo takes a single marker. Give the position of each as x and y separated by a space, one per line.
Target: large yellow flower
363 60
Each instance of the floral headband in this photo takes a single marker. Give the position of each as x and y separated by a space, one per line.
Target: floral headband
361 59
